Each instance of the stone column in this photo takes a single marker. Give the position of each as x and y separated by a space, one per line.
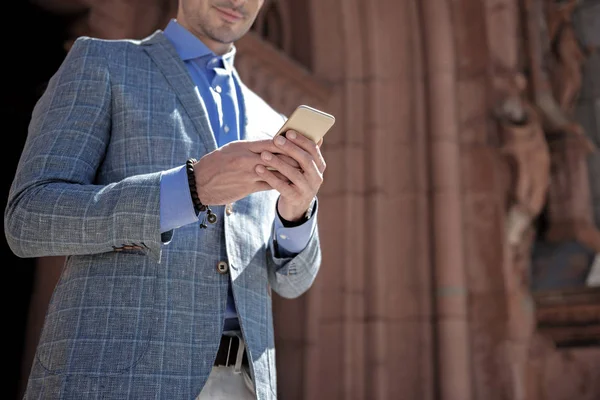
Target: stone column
375 330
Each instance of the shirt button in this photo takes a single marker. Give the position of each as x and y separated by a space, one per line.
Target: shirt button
229 209
283 237
218 89
226 128
222 267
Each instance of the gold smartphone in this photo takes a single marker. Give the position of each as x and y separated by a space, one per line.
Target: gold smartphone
309 122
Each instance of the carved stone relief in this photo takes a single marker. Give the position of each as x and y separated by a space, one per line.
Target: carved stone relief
564 252
587 24
526 152
556 58
586 20
568 55
524 145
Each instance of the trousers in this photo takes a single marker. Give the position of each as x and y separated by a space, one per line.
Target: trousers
224 383
229 381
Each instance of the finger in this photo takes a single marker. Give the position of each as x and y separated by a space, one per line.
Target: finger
288 160
283 187
257 159
275 150
258 146
252 160
280 176
294 175
314 149
261 186
304 158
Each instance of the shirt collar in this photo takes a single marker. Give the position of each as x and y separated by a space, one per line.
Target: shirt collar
228 58
189 47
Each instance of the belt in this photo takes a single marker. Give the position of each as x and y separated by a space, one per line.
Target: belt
231 349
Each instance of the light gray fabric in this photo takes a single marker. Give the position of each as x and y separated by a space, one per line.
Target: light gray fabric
224 384
139 324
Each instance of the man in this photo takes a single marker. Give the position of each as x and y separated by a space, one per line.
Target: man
166 289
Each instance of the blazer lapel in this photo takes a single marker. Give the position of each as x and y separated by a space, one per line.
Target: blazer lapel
173 68
240 88
255 127
242 104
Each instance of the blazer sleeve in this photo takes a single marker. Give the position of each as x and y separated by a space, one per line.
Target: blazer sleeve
54 207
291 277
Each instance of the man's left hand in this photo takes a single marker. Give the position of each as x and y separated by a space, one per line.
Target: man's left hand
302 184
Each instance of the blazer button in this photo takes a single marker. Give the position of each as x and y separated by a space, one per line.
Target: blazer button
222 267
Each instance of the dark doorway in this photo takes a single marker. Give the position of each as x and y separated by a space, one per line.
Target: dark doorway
32 51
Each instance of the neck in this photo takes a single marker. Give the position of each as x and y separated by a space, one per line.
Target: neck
216 47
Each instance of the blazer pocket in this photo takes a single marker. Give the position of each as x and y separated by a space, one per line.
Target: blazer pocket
100 317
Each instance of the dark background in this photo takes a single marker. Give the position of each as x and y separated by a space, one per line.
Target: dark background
32 51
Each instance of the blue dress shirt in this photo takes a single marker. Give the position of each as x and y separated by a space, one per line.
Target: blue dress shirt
211 73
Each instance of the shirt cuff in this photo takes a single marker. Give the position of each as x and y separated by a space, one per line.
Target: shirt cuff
176 207
291 241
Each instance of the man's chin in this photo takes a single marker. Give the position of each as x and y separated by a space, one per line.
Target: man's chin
226 35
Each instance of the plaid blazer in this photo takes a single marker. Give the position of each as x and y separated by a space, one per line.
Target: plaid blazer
137 314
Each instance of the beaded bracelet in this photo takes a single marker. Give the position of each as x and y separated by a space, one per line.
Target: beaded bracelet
198 206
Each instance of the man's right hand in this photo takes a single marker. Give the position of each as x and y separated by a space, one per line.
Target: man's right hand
228 173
